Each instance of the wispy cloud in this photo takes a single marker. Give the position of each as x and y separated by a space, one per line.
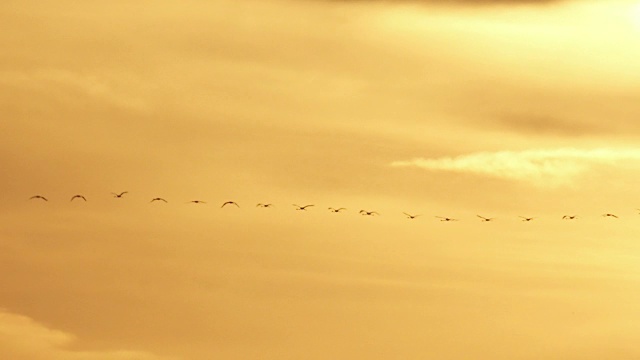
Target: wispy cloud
64 81
542 167
465 2
22 338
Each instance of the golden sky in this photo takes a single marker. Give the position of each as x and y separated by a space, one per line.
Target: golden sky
438 108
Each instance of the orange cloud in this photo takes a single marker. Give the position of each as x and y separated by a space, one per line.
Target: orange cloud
22 338
554 167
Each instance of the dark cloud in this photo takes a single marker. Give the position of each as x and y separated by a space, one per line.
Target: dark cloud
549 125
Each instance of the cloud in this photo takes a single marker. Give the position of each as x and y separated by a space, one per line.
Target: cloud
462 2
552 167
22 338
547 124
71 83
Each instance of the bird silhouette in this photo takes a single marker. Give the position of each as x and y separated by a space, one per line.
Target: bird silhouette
38 197
264 205
569 217
484 219
526 218
609 215
446 218
158 199
336 210
369 213
78 197
197 202
298 207
230 203
409 216
119 195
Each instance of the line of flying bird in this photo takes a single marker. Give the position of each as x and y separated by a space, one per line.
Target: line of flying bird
305 207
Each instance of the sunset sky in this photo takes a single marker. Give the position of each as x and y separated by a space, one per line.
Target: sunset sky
502 108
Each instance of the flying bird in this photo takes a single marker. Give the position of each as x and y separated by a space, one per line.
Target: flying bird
78 197
230 203
158 199
197 202
38 197
569 217
264 205
609 215
336 210
409 216
526 218
446 218
119 195
298 207
370 213
484 219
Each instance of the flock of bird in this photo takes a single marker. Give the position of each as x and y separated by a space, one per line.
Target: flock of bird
305 207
